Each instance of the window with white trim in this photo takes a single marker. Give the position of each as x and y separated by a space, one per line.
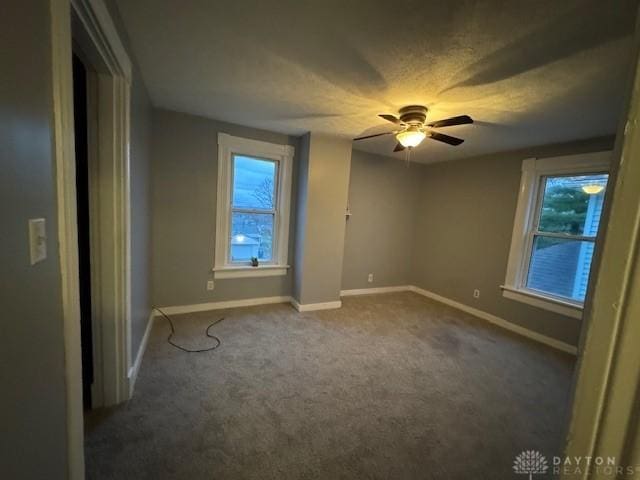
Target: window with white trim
252 216
557 221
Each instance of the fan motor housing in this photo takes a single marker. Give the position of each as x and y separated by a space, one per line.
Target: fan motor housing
413 114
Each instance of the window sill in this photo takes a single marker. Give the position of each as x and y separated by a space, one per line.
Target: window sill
542 301
246 271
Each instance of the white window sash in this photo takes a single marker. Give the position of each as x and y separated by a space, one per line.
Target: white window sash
274 214
260 211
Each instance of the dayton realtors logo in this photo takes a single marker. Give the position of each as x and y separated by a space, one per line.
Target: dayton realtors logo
604 467
530 462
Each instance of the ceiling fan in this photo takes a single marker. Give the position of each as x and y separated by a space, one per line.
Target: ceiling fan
413 128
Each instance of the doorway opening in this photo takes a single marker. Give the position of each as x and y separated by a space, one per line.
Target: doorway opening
81 129
101 78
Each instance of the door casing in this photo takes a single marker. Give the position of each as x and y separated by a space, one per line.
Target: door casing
88 24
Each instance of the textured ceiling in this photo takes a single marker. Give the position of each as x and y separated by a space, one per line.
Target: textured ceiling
529 72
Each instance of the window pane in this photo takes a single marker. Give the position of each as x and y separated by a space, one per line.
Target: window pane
560 266
573 204
253 183
251 236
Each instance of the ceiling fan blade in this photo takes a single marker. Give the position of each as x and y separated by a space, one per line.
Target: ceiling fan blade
449 122
371 136
390 118
398 148
445 138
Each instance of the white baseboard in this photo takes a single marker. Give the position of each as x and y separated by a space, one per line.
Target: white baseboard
249 302
374 290
500 322
203 307
311 307
135 368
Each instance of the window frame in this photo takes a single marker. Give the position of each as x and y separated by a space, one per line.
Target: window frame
526 223
230 147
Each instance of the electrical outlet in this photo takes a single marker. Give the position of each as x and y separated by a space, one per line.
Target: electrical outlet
210 285
476 293
370 278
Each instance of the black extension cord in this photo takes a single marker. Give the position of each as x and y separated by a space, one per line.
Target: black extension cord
173 331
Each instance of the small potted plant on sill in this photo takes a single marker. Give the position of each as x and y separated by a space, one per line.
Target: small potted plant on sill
254 261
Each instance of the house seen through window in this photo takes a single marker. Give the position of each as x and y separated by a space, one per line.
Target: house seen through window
253 209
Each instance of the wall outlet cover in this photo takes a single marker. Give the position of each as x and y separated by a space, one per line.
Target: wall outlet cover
210 285
37 240
370 278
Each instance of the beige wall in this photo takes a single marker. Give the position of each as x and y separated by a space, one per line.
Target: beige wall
383 194
464 224
322 200
184 176
33 402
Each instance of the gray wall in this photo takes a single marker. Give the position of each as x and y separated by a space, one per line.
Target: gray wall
301 208
33 401
464 225
184 180
140 155
324 176
140 210
383 194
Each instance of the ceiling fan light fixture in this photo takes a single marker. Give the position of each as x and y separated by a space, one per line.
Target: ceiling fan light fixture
413 129
411 137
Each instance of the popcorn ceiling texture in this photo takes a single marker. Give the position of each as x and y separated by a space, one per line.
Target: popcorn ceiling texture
530 73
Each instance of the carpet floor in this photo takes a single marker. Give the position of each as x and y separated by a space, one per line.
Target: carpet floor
391 386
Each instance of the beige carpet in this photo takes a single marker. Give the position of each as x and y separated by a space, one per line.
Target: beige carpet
388 387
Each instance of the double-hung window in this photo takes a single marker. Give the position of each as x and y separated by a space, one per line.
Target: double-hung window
252 214
557 221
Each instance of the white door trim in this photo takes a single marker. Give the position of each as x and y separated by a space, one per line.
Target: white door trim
64 152
111 297
114 217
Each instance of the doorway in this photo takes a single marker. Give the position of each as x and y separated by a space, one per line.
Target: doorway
101 88
81 130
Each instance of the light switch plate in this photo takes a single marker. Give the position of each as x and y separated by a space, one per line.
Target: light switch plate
37 240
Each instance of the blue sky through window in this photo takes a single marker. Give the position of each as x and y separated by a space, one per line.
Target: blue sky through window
253 182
